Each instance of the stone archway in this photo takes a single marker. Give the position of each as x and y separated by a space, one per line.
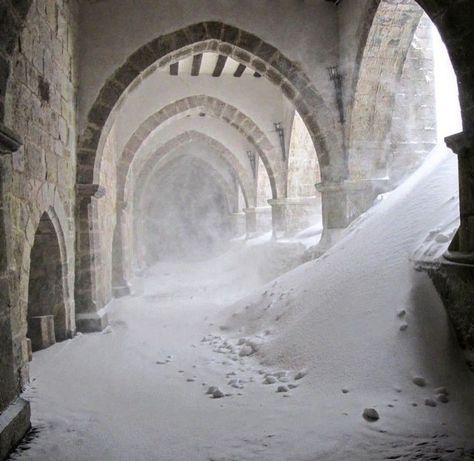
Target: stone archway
139 175
149 173
454 23
202 104
388 41
47 290
245 48
143 166
154 205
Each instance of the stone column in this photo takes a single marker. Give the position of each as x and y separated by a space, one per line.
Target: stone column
334 212
120 286
237 223
88 316
264 219
344 202
15 412
291 215
279 217
462 246
250 221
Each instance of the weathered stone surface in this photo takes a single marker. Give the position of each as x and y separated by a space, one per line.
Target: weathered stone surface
41 332
40 95
455 285
14 424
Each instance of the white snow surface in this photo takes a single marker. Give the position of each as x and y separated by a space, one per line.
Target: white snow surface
138 391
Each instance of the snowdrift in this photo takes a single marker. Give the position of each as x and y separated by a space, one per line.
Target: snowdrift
361 317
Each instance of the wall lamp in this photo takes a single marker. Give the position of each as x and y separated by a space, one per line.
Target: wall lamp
337 78
281 134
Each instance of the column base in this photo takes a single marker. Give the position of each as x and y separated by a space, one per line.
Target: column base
328 239
250 222
237 222
90 322
120 291
14 424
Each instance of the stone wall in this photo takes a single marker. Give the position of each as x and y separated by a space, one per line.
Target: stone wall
40 177
414 117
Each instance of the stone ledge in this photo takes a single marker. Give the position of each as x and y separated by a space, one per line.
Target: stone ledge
90 190
14 424
293 201
378 185
461 143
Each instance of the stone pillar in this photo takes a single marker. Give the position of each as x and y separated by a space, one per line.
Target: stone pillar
14 411
237 223
291 215
88 316
250 221
334 212
120 286
344 202
279 217
462 246
264 219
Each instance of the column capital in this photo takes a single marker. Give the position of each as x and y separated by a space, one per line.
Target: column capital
292 201
461 143
329 186
87 191
277 202
9 140
354 185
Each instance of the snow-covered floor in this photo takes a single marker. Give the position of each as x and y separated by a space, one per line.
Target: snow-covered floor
358 327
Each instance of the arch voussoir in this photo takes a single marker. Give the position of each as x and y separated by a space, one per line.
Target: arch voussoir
215 108
228 40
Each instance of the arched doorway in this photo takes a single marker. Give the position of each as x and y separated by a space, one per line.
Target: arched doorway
46 307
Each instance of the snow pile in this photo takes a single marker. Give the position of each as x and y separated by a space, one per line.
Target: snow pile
348 357
360 316
244 267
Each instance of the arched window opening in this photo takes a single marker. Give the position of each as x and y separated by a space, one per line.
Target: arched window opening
405 100
303 174
46 307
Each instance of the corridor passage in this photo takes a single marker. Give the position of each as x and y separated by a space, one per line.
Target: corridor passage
196 364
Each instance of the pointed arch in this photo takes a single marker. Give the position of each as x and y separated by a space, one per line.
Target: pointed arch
138 175
389 37
212 107
227 40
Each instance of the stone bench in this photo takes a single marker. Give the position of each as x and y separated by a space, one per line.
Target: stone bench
41 331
